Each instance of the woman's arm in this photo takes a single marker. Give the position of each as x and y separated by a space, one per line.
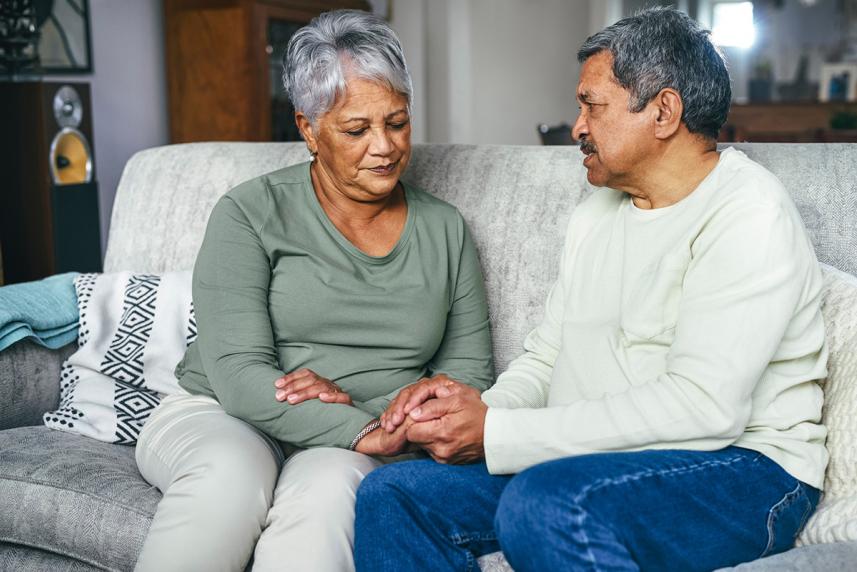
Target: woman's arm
236 342
465 351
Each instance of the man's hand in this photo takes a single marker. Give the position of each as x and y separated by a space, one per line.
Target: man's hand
303 384
412 396
451 426
379 442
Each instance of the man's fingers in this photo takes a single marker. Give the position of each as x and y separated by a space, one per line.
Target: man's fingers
424 433
432 409
423 392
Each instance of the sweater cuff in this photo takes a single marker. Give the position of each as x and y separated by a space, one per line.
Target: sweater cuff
494 441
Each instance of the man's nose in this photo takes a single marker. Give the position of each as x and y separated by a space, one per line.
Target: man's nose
580 129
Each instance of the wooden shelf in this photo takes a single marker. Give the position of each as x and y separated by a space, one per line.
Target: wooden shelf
784 122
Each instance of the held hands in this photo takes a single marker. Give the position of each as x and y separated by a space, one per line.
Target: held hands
380 442
451 426
412 396
304 384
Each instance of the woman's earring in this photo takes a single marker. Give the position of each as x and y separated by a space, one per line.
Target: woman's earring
312 153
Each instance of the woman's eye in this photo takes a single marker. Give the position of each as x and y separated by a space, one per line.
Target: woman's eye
398 126
356 132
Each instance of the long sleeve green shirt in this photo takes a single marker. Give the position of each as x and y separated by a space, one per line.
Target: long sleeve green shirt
276 287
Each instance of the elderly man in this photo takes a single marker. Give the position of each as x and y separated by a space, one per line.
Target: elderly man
665 413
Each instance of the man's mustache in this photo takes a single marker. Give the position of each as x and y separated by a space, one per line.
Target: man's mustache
587 147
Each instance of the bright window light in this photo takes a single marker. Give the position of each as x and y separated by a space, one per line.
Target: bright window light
732 24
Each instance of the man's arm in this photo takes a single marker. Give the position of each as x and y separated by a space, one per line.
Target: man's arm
736 306
739 295
236 342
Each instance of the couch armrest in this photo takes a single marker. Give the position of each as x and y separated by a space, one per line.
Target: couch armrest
29 382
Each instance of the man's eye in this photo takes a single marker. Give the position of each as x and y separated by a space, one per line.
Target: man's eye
356 132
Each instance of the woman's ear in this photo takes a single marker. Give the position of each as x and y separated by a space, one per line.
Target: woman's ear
669 111
307 132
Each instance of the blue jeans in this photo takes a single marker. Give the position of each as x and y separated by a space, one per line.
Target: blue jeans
648 510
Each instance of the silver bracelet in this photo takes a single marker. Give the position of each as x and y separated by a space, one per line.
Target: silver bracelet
374 424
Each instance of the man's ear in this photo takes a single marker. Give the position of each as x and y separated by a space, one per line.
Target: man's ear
669 108
307 132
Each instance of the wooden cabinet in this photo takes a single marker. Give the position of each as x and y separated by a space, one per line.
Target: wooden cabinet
223 66
804 122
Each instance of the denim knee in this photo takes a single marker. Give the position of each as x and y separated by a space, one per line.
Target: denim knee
524 513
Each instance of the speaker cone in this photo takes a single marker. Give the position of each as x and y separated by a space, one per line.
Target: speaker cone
71 159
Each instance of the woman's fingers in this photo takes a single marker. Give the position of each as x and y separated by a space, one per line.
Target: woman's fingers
291 376
337 397
311 391
304 384
393 416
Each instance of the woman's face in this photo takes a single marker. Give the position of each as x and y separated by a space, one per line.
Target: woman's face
363 142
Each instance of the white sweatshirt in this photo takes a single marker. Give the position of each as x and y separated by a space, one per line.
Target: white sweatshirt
694 326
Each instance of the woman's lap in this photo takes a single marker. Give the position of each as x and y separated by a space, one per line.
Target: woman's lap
220 476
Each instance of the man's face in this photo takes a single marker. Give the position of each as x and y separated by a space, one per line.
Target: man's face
616 142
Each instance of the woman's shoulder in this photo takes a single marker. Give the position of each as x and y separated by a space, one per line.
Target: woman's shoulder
254 196
432 207
256 189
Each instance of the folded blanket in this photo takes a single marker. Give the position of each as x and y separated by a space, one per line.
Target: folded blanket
45 310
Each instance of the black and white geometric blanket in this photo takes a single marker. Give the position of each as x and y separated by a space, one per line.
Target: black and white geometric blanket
134 329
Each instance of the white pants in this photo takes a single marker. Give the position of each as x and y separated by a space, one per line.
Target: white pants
219 476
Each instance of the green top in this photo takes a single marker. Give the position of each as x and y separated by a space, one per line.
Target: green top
277 287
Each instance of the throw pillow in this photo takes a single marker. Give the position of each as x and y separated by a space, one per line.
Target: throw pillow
835 520
134 329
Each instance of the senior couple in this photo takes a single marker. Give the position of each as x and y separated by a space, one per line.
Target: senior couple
663 415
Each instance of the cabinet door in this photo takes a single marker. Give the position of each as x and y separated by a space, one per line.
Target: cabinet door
283 127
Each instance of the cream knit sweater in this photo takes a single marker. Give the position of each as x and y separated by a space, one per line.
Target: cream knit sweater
694 326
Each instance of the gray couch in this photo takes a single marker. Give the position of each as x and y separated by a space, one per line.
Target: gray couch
71 503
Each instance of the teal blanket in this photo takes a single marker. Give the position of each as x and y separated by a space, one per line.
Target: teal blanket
45 311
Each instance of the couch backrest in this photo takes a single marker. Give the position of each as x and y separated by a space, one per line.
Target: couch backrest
516 199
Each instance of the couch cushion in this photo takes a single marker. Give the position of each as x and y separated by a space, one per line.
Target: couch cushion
73 496
835 520
24 559
134 329
839 556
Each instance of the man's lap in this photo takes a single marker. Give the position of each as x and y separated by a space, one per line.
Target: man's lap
676 508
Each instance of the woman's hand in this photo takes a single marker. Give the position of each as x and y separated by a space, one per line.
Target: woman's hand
412 396
380 442
303 384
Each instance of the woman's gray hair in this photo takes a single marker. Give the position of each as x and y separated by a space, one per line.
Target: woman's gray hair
337 44
663 47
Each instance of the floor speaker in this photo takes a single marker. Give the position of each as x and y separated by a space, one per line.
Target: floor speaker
48 190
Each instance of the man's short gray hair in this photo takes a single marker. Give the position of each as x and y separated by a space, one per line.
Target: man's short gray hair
663 47
337 44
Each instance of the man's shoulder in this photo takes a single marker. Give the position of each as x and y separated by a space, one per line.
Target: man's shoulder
601 202
743 180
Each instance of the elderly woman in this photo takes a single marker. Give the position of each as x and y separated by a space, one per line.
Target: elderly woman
320 290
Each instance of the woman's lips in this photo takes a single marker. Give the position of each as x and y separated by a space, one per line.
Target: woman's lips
385 170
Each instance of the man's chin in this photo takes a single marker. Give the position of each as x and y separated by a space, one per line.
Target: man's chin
594 179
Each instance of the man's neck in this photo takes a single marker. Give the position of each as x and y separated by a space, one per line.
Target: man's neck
675 173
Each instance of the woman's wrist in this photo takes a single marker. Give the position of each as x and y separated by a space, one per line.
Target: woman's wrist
371 426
